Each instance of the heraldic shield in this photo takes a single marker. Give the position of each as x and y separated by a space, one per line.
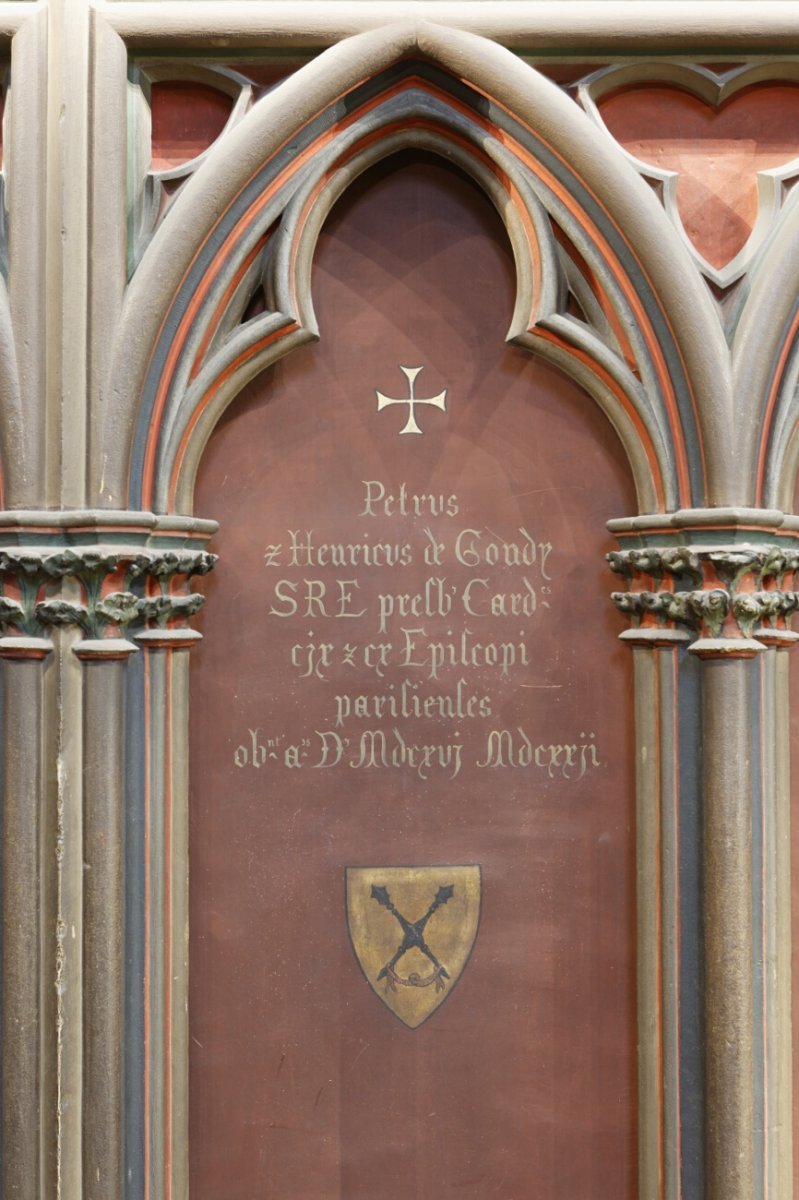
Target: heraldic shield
413 929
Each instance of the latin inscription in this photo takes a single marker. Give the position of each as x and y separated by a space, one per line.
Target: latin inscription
433 624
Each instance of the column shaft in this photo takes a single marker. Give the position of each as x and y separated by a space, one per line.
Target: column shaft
727 721
103 928
22 931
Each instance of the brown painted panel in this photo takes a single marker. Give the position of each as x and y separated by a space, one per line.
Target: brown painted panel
304 1085
717 152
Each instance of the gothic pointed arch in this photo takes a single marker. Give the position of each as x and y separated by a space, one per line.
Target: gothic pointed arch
647 344
766 366
12 423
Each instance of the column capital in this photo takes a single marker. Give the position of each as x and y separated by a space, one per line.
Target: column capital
113 576
728 588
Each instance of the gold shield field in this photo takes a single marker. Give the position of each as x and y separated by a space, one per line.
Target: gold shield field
413 991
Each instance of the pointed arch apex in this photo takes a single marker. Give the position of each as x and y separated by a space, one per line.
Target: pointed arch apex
417 80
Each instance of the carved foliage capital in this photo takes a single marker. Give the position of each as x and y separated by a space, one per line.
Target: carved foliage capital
727 600
108 593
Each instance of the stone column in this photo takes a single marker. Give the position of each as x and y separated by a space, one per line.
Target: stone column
70 607
656 649
104 663
729 591
165 691
165 683
28 1103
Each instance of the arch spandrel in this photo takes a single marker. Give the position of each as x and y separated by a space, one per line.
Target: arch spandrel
660 372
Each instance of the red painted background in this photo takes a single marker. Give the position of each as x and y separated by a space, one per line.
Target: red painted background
717 152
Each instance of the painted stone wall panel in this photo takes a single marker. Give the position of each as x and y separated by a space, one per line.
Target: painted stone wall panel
302 1081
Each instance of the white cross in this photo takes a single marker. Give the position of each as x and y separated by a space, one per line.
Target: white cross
411 426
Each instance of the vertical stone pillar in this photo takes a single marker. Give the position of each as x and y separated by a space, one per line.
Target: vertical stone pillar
730 594
28 1113
777 956
657 887
153 608
772 933
103 913
68 608
727 721
165 642
166 686
656 647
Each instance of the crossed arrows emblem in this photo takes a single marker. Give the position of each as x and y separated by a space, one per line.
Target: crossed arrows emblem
413 939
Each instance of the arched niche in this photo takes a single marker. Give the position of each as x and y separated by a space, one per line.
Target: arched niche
607 295
644 341
524 1078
